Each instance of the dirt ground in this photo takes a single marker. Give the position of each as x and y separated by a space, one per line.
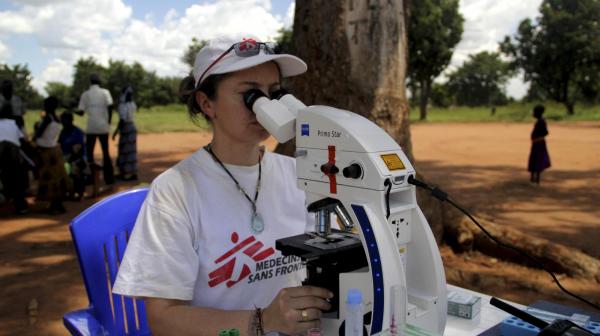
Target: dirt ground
481 165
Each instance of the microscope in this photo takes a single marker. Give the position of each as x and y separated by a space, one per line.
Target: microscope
356 177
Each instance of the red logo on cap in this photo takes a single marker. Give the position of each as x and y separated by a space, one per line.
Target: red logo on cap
246 44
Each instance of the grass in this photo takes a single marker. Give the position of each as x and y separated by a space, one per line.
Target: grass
174 118
157 119
168 118
516 112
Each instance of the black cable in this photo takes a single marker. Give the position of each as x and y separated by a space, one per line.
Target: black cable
387 183
516 312
442 196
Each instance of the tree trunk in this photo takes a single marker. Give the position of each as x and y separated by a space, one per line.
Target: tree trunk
463 235
424 98
356 55
570 107
567 98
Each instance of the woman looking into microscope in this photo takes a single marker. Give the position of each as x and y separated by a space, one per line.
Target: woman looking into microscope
202 253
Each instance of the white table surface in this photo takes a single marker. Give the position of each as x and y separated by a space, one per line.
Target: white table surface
487 317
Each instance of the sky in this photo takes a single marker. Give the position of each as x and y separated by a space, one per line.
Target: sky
51 35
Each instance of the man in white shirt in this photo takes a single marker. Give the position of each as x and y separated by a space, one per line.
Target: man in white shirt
15 102
98 104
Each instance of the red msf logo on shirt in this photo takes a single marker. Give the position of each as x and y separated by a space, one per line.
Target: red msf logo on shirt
250 247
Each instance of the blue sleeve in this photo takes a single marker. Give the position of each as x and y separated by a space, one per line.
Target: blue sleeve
79 136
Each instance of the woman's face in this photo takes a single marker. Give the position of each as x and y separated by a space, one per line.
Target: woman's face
229 115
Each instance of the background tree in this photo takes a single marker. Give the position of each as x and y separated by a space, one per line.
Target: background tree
480 80
148 88
440 95
119 75
535 93
20 76
435 27
284 40
189 55
560 51
589 84
81 76
61 91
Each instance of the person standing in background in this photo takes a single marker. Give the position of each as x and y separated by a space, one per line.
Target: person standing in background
98 104
127 158
53 180
12 164
8 98
539 159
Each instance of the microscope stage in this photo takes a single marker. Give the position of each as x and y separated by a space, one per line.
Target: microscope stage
338 245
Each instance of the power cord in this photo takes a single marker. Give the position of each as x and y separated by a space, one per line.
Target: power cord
388 184
443 196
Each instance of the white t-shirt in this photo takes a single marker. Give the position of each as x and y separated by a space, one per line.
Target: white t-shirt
18 107
127 110
9 131
192 239
95 102
49 138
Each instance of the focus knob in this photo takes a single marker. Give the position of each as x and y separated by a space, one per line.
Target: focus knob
352 171
329 169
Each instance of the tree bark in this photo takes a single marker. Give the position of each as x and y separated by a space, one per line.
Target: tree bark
570 108
356 55
569 102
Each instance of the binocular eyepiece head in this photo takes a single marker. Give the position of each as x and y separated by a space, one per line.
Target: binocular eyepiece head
252 95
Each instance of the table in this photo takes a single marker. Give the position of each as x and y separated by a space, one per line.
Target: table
488 317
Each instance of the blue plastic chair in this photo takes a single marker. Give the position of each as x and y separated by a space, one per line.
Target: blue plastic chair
100 235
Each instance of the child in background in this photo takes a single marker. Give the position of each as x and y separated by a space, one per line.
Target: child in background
539 159
72 143
127 158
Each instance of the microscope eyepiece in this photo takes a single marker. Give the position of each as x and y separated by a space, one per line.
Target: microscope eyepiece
251 96
279 93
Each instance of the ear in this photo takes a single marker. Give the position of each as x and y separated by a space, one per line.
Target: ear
205 104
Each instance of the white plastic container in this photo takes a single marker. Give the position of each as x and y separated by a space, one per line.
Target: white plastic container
354 313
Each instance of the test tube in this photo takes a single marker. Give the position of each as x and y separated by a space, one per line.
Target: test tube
398 310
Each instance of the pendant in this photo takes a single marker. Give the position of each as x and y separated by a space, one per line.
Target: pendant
257 224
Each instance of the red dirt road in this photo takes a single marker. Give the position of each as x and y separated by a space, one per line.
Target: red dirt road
485 167
482 165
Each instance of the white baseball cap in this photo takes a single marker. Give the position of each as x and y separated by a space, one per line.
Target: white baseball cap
208 63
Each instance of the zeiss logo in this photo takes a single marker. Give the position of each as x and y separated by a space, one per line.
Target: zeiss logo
305 130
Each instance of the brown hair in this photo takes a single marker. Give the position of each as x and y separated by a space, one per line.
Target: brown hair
188 90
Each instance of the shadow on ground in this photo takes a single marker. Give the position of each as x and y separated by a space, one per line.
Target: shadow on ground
563 208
